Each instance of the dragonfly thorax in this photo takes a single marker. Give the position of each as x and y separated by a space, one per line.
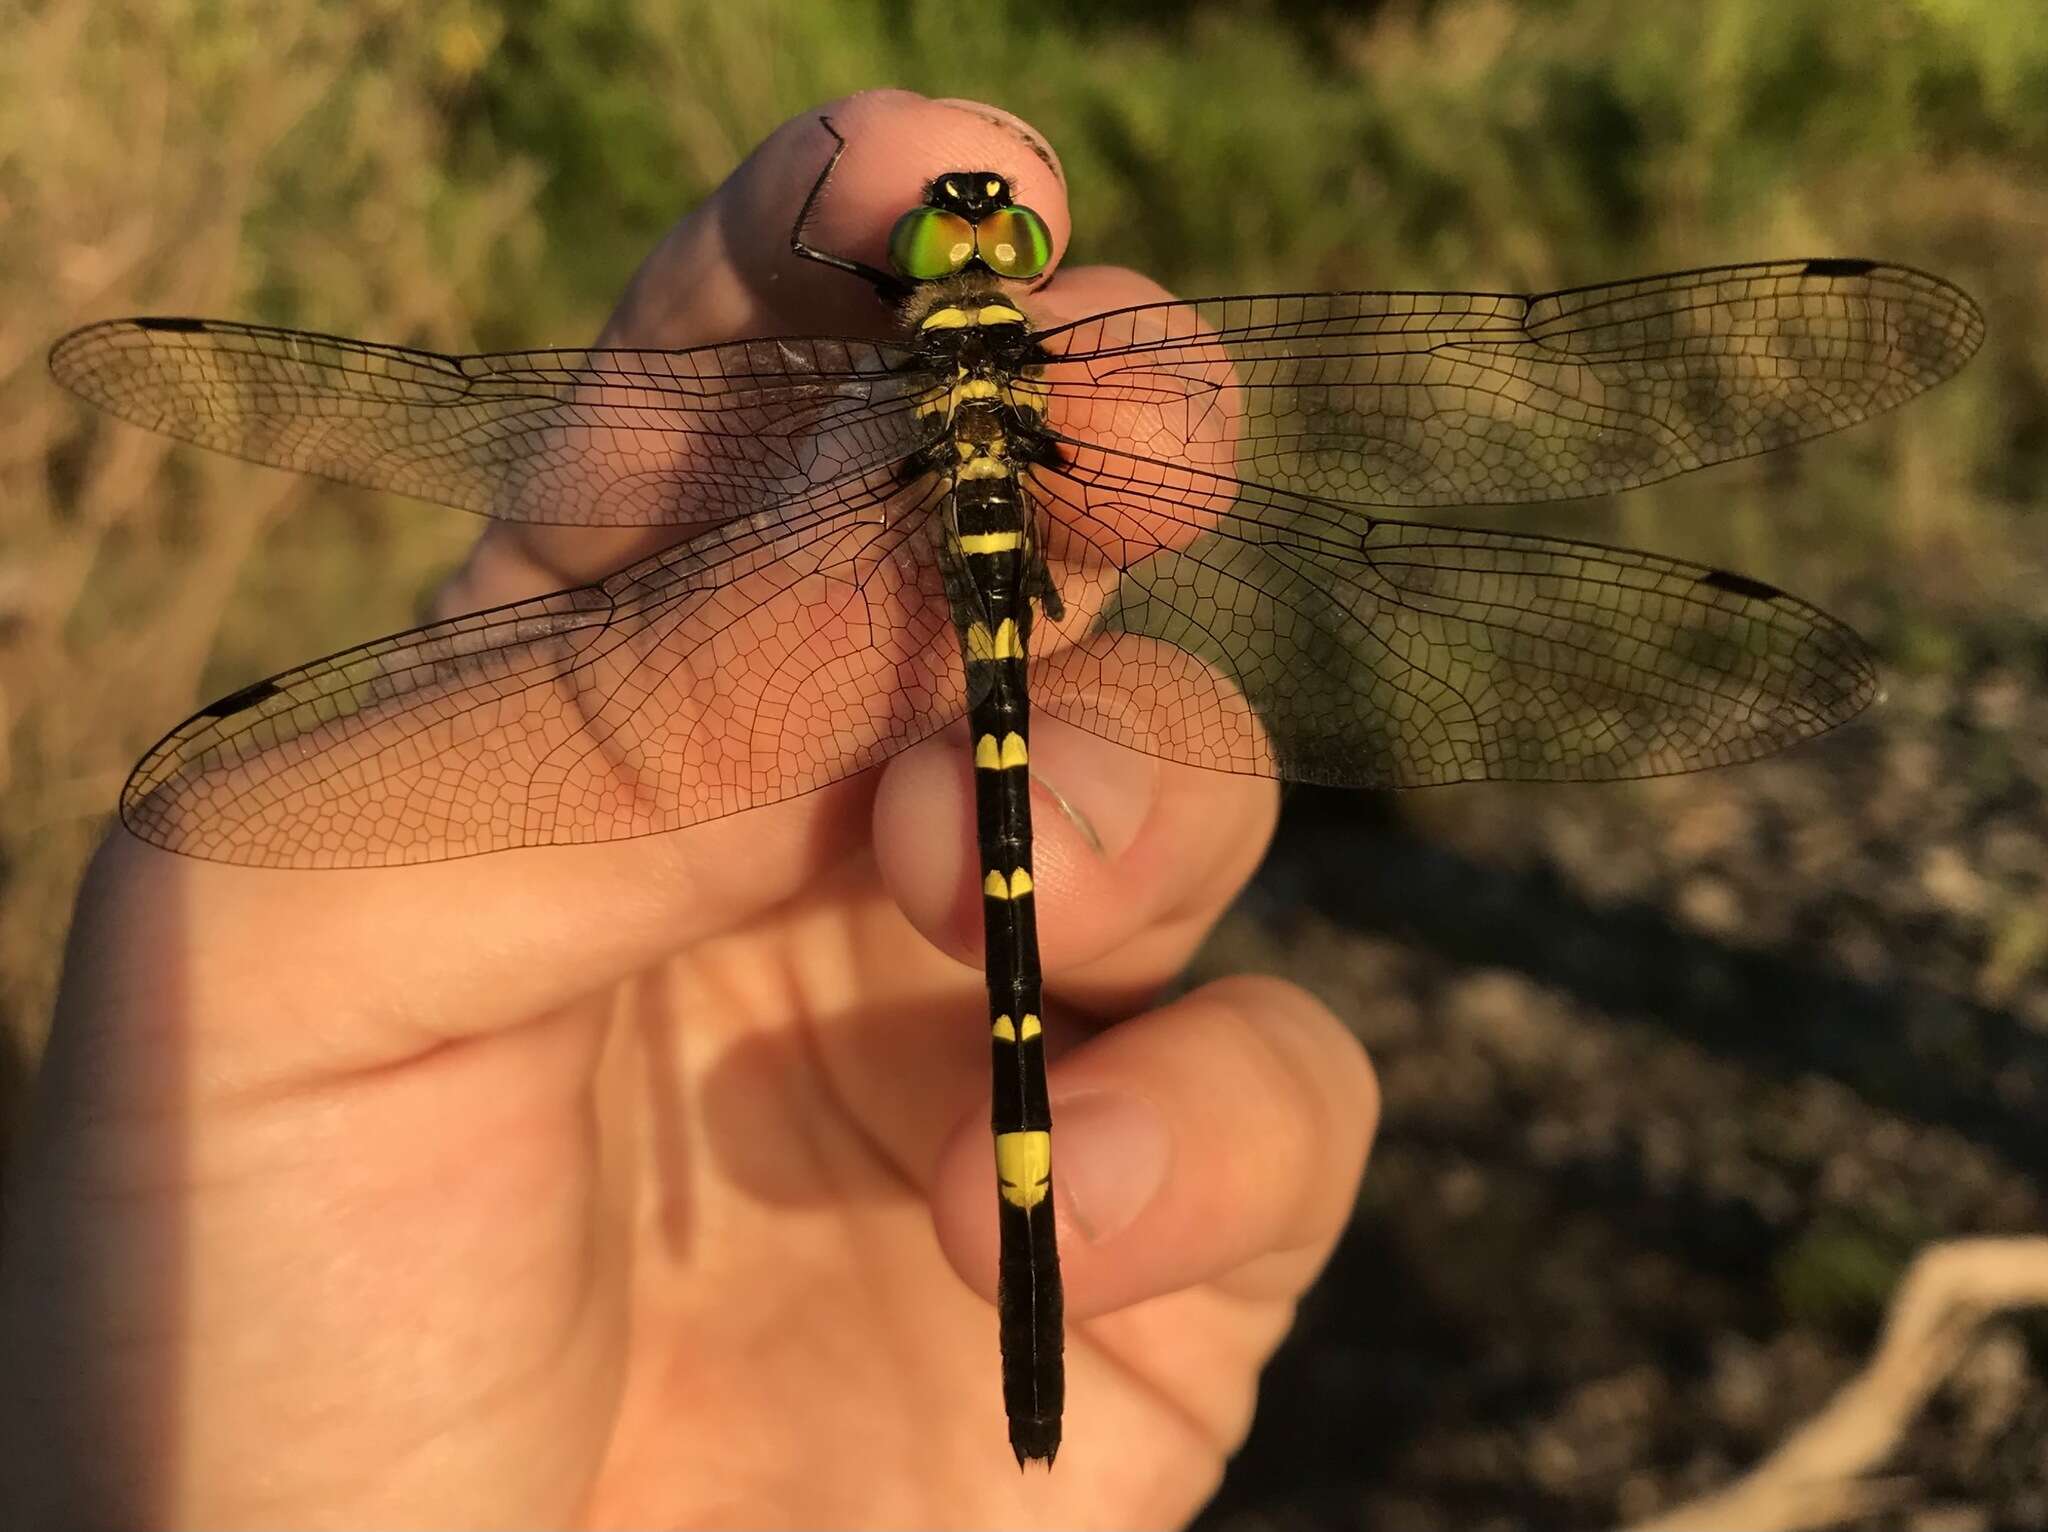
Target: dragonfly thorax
947 313
989 406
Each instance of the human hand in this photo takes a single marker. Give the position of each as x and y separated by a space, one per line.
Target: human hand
600 1184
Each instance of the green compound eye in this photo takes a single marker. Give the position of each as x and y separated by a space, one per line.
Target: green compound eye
1013 242
928 243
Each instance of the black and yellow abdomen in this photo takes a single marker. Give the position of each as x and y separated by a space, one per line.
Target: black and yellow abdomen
991 552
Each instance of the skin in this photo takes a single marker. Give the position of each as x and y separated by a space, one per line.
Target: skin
649 1183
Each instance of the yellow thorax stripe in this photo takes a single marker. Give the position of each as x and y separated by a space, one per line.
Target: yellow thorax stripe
991 542
1016 886
1027 391
1024 1167
960 319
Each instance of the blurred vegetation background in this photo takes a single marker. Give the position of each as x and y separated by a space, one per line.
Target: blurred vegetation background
465 176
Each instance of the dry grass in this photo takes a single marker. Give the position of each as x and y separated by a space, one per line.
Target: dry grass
137 145
1822 1476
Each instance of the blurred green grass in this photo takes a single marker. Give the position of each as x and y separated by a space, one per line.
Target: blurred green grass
466 177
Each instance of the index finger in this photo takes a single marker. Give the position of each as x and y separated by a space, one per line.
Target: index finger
727 271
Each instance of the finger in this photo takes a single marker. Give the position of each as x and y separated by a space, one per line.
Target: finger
726 272
896 142
1218 1140
408 955
1133 857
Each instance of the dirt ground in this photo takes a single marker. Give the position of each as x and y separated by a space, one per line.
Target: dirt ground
1677 1077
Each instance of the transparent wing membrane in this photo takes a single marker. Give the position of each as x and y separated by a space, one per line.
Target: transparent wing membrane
1441 399
747 666
1206 510
1409 655
576 438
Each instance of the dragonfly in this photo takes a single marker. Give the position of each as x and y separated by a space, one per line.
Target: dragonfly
1171 524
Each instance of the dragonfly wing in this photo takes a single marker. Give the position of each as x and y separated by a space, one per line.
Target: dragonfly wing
746 666
575 438
1357 651
1439 399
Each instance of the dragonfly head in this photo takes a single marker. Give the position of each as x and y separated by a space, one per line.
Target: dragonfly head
968 221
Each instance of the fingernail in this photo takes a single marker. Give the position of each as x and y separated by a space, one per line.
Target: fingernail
1110 1159
1104 790
1074 816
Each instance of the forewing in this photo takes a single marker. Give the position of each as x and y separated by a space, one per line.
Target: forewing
1438 399
746 666
1297 640
581 438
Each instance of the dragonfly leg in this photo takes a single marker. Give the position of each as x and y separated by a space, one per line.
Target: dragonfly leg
890 288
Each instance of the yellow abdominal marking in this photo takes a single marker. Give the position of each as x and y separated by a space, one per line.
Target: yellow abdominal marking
983 468
1007 1031
989 756
991 542
1016 886
1004 646
1024 1167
